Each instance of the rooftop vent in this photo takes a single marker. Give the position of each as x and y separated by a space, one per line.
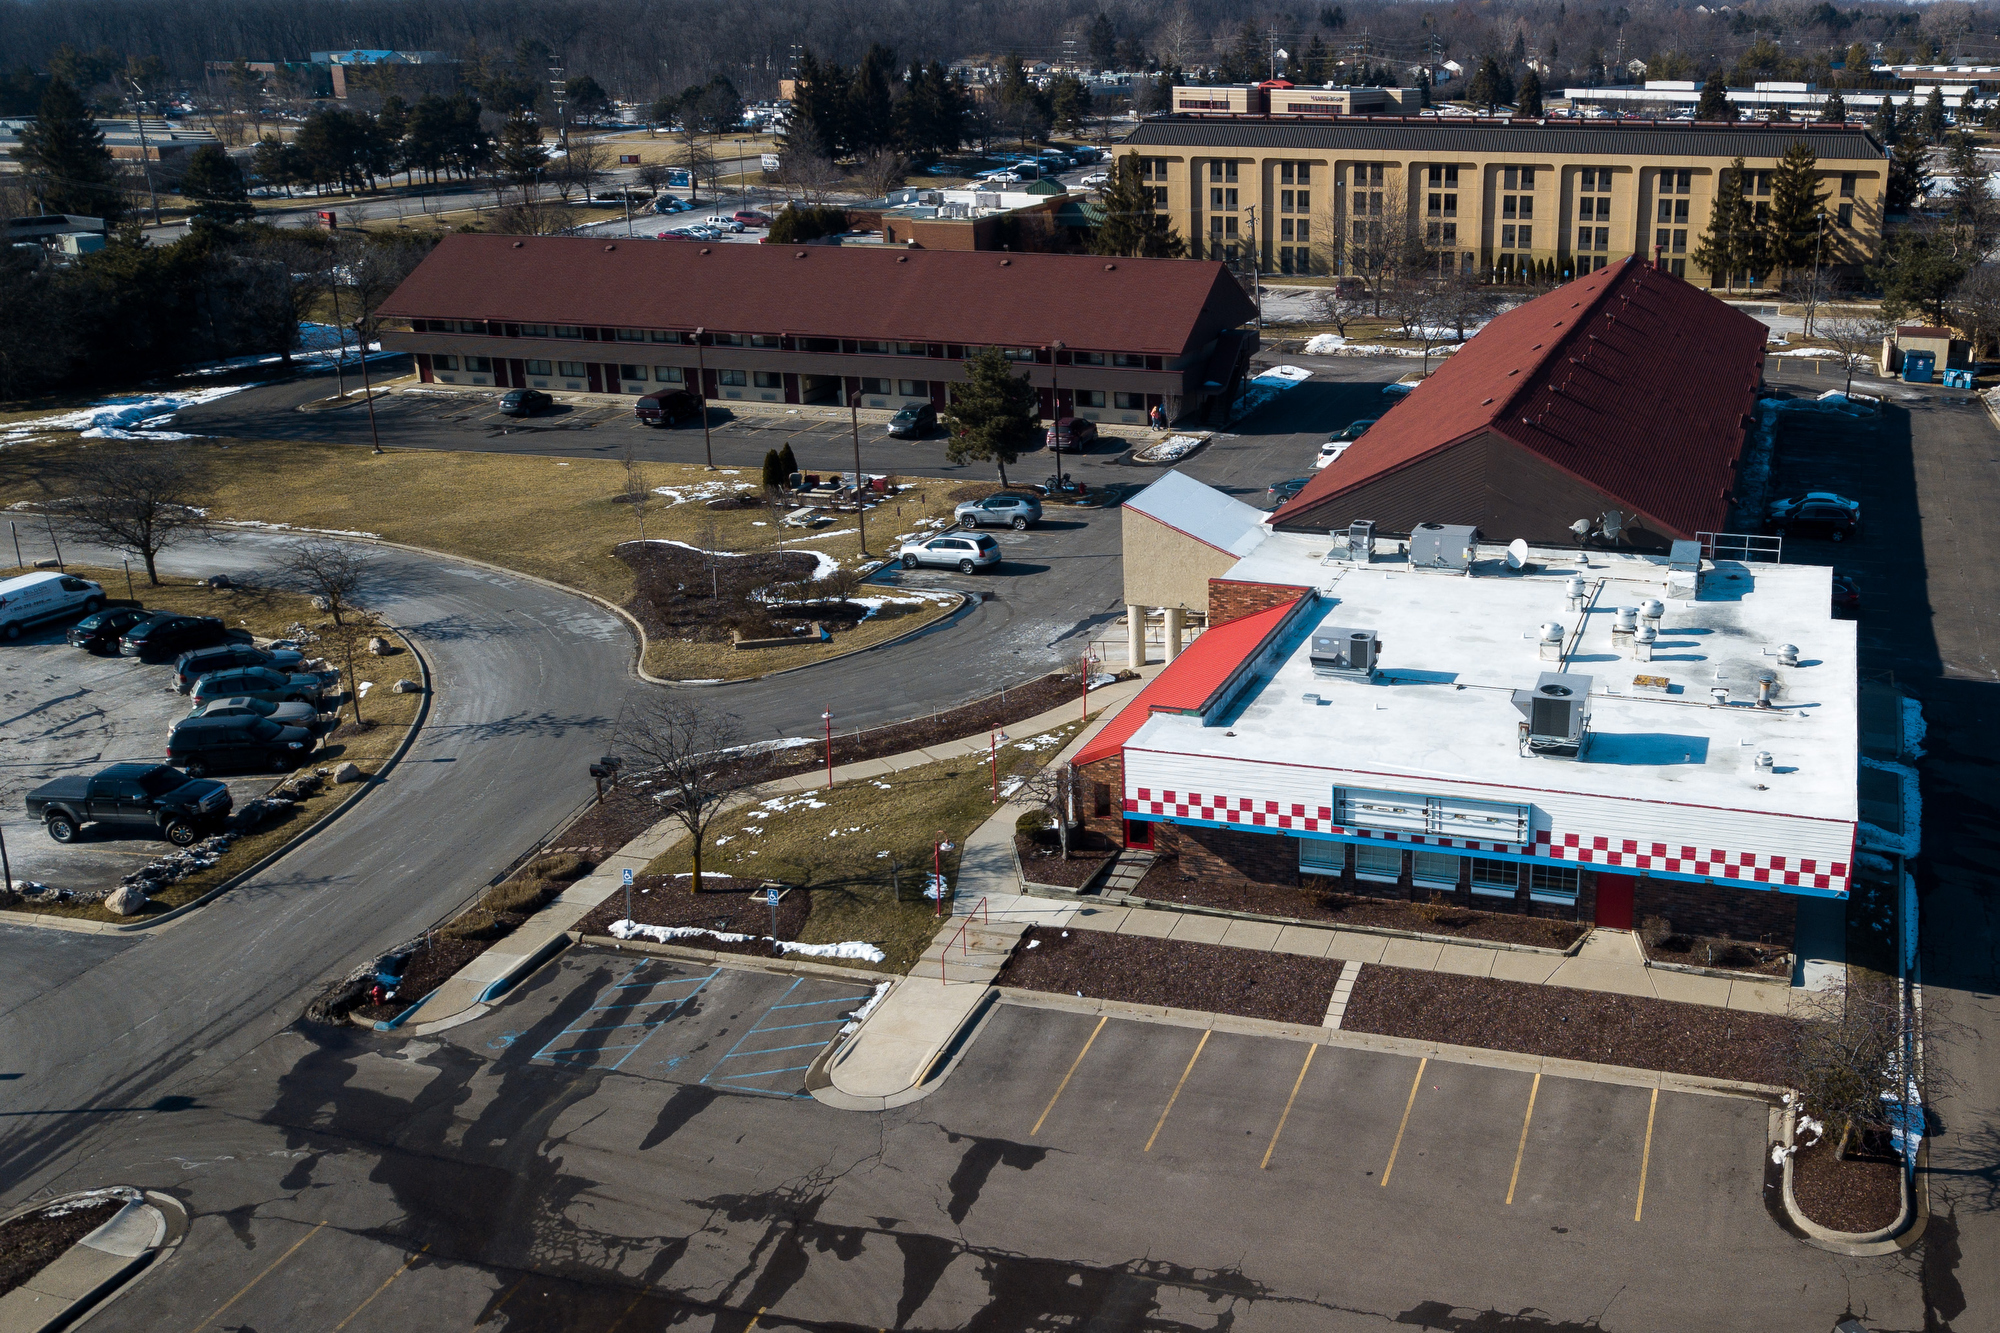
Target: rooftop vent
1345 654
1558 713
1445 546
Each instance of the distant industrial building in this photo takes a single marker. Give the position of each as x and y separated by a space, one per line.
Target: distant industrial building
1805 101
127 140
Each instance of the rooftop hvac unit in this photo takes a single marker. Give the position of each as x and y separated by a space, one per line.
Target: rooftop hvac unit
1345 654
1558 713
1446 546
1360 538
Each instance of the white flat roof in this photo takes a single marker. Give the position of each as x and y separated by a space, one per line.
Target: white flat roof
1455 648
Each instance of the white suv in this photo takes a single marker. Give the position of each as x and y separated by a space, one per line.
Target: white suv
34 599
963 551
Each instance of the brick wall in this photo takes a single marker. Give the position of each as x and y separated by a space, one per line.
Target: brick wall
1754 915
1230 599
1259 857
1105 779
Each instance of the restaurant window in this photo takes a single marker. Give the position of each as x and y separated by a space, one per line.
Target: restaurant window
1553 884
1495 879
1383 865
1435 870
1317 856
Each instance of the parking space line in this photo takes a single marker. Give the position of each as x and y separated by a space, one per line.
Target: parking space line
627 1310
672 1007
502 1301
790 1069
384 1287
1522 1147
816 1023
245 1290
774 1050
1397 1146
1646 1155
1161 1123
808 1004
1102 1020
1297 1083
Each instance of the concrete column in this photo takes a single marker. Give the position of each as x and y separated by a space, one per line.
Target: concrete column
1174 617
1135 637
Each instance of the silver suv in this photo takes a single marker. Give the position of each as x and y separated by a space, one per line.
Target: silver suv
1017 511
965 552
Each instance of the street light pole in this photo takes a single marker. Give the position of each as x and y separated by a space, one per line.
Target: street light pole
145 152
367 390
828 719
860 502
701 396
993 757
1055 408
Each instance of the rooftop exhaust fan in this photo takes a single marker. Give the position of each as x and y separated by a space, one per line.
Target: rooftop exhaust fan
1558 713
1341 653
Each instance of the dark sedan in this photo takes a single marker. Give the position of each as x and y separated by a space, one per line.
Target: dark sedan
1281 491
668 409
1816 518
100 633
165 635
914 420
524 402
1072 433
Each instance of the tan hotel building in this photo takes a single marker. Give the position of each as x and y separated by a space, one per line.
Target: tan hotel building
1486 195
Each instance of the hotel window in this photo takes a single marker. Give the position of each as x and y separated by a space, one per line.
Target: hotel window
1129 402
1367 173
1447 176
1128 360
767 379
1507 238
1383 865
1679 211
1678 267
1014 353
870 384
668 374
1305 231
535 331
1159 196
631 335
1552 884
912 349
1845 216
1222 199
1090 397
568 331
1153 168
570 369
1442 206
1676 180
1443 234
1285 200
1434 870
1594 178
663 336
866 347
1320 857
444 361
632 372
914 388
1087 358
1495 879
1847 185
540 368
479 365
1680 241
1517 178
1285 230
733 377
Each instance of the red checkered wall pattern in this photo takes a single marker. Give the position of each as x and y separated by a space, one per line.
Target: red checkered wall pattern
1624 853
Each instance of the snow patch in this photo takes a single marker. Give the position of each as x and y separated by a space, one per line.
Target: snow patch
855 950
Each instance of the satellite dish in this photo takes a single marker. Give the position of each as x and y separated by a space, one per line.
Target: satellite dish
1612 525
1581 528
1517 553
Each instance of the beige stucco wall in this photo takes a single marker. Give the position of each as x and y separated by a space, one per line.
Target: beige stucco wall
1167 568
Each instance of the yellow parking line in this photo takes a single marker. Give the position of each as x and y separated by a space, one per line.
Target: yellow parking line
1646 1156
1296 1084
629 1309
1177 1090
502 1301
379 1290
1522 1147
1066 1077
1397 1146
245 1291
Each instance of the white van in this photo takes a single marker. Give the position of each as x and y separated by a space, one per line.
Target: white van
36 599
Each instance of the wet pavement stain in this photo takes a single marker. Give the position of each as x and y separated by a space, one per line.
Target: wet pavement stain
1447 1318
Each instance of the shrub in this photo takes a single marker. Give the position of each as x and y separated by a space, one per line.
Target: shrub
561 865
1653 929
519 895
1032 822
477 924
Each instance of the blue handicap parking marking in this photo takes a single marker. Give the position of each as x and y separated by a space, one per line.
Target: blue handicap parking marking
780 1045
628 1012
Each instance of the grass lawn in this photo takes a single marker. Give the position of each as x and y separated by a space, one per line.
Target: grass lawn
840 845
271 614
557 519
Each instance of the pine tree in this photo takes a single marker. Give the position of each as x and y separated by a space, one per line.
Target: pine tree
522 156
215 184
775 476
1715 103
1884 123
1797 210
1909 177
62 153
1529 100
1835 110
993 417
870 115
787 462
1131 227
1930 124
1103 43
1069 102
1731 244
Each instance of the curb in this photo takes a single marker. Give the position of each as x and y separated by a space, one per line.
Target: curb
171 1227
803 967
1033 889
819 1077
964 601
1720 974
1194 909
361 790
1911 1221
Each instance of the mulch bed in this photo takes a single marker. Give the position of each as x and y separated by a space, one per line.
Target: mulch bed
1565 1024
31 1243
1210 978
1042 861
1862 1193
1166 882
723 904
430 966
1763 960
629 809
679 596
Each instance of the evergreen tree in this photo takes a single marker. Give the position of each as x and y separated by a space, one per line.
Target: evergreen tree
1318 61
1909 177
870 118
1520 51
1103 44
1245 61
1131 226
993 417
215 185
1728 247
786 461
522 157
1917 273
930 119
775 476
1797 210
1930 123
1884 123
1835 110
1715 103
1528 102
1069 103
62 153
817 127
1491 85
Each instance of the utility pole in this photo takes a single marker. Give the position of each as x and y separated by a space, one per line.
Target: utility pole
559 94
145 151
860 482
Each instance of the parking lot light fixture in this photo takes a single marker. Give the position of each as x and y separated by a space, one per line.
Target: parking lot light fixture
993 757
860 483
828 719
701 396
1055 407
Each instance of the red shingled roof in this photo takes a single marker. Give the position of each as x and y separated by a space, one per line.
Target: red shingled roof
1189 679
1631 380
1167 307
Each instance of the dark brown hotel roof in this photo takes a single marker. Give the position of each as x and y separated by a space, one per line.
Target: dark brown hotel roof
1159 306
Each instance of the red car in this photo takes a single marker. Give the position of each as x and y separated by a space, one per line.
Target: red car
668 408
1846 596
1072 433
750 217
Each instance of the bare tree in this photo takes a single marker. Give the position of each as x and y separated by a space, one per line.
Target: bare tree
330 570
881 171
809 177
137 500
694 756
533 215
1464 300
1340 304
1977 300
1811 286
651 176
699 161
1849 1049
636 493
1856 341
1420 307
1052 790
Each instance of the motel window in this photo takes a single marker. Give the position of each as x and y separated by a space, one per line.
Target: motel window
669 374
664 336
1435 870
1384 865
540 368
1018 353
1495 879
471 326
1128 360
1552 884
1090 398
766 340
867 347
914 388
479 365
568 331
632 372
869 384
1847 185
730 377
768 379
725 339
1320 857
570 369
1087 358
912 349
1129 402
534 330
631 335
443 361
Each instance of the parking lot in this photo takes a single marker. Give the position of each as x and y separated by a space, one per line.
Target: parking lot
64 711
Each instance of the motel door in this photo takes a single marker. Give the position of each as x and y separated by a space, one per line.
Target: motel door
1614 901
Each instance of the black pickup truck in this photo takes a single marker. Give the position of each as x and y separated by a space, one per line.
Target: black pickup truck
132 796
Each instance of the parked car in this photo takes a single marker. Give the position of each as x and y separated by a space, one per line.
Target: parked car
1353 431
914 420
205 744
258 683
1834 522
1329 453
100 631
721 225
290 713
1281 491
1096 179
669 407
1779 509
1846 595
667 203
1003 510
965 553
1073 433
524 402
131 796
163 635
192 666
35 599
750 217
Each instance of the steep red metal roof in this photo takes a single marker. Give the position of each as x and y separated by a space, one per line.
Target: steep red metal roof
1631 380
1189 680
1166 307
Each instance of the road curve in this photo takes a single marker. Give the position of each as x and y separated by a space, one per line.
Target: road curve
529 684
